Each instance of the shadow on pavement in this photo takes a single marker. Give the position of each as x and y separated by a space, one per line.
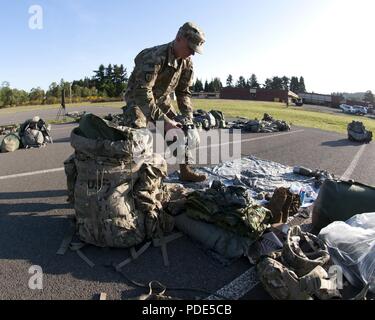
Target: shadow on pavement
33 232
62 140
33 194
340 143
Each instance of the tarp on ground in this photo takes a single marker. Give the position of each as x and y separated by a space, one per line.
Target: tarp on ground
256 174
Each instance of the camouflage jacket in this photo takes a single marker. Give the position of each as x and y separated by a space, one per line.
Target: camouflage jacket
157 74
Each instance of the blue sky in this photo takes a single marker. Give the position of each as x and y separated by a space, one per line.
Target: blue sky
329 42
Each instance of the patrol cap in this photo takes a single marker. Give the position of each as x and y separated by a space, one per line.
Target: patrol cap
35 119
195 36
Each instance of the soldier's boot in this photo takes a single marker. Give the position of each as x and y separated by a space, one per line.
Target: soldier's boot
276 205
187 174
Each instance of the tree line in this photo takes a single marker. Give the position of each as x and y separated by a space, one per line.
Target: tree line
107 83
367 96
294 84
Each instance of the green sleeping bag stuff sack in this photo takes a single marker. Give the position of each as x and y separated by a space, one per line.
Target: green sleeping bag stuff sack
341 200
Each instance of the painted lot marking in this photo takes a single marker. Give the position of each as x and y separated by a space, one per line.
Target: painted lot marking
27 174
33 173
238 287
348 173
251 139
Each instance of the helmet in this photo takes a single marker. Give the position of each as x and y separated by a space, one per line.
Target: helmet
303 251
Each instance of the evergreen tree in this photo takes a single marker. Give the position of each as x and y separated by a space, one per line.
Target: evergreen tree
369 97
302 87
216 85
277 83
206 88
285 82
254 82
241 83
294 85
268 84
99 78
230 81
198 86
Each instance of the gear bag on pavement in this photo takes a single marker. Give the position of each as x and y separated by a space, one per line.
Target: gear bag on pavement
341 200
117 198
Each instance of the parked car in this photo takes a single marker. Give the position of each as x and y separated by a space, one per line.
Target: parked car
347 108
360 110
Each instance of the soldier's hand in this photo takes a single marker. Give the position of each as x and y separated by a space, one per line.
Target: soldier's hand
171 124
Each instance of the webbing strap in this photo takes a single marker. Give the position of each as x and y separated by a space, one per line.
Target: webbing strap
64 246
170 238
134 255
84 258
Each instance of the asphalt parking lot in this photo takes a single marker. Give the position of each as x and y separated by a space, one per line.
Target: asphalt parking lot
34 219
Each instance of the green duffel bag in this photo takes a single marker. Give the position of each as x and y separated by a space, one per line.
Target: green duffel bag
10 143
341 200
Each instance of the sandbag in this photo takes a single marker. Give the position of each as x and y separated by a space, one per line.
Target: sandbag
10 143
341 200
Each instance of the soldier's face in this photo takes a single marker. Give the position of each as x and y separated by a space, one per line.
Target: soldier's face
182 49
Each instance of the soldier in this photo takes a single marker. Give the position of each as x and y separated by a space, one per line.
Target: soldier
158 72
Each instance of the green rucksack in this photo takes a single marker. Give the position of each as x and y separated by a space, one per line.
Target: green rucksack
341 200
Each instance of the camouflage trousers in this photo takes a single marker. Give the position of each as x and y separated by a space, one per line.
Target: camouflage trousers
135 118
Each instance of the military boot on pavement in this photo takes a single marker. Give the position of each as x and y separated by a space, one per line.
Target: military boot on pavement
187 174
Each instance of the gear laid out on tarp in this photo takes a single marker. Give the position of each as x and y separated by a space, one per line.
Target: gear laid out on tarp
296 272
115 183
319 175
352 247
283 205
341 200
260 177
230 208
224 220
358 133
267 124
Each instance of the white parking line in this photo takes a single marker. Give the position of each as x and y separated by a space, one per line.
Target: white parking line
26 174
238 287
348 173
251 139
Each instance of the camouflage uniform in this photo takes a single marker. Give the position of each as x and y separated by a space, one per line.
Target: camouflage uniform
158 73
